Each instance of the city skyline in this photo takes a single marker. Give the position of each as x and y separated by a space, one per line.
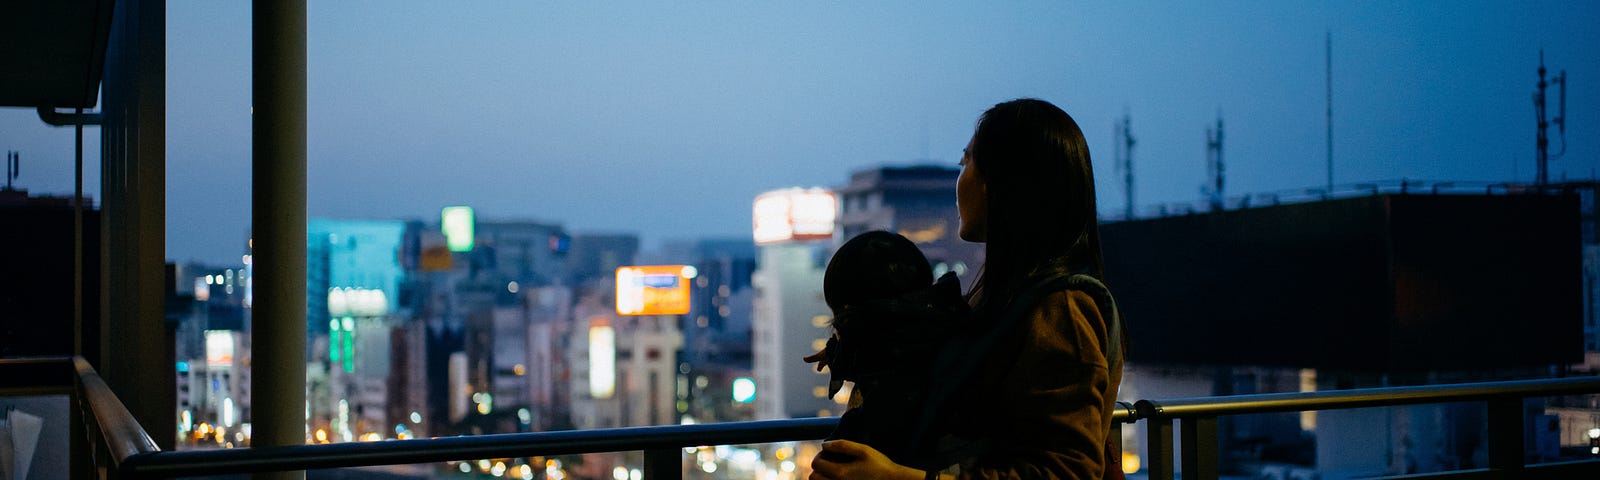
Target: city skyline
635 118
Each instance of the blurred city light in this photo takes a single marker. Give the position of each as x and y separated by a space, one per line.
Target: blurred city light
457 224
602 359
744 390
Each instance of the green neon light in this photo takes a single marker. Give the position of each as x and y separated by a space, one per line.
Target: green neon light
457 224
349 346
333 345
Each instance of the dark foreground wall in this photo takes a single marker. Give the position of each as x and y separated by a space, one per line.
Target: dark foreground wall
1381 283
36 279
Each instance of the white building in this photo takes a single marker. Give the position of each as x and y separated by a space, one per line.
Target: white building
623 367
794 232
790 322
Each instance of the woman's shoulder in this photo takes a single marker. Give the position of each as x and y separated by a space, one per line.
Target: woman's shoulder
1070 322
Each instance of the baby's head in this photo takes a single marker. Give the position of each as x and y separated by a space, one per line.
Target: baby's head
876 265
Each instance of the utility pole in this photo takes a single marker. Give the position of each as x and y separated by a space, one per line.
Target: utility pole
1123 134
1214 165
1542 139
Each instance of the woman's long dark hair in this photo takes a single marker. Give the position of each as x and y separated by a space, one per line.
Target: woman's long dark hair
1041 214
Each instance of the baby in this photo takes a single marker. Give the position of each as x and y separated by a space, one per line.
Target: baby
890 321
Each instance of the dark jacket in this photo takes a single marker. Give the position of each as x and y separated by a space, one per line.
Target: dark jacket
1043 402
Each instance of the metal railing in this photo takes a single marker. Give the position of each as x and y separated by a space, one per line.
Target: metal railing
106 433
1197 418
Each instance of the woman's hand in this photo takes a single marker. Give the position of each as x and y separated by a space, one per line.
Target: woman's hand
820 358
864 462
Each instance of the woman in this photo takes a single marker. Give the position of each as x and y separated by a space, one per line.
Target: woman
1040 400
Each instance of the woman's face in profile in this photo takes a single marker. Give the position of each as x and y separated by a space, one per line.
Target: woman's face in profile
971 199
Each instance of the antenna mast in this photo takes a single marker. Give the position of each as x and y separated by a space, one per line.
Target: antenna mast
1329 58
13 167
1123 134
1214 165
1542 138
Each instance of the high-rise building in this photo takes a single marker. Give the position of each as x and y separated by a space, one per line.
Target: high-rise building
211 350
918 202
353 279
532 254
791 322
794 229
595 256
624 368
480 291
717 332
361 258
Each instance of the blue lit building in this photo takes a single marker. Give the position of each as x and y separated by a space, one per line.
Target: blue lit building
353 278
355 255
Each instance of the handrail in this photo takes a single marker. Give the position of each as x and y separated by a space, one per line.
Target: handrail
132 453
121 433
1366 397
428 450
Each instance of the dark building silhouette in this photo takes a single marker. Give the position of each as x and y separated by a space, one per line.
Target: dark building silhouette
36 276
1382 283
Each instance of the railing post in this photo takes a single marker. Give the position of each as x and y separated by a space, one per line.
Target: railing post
1505 434
1199 448
1158 448
1115 438
80 458
663 464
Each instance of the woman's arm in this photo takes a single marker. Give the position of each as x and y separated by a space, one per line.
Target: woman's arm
866 463
1052 418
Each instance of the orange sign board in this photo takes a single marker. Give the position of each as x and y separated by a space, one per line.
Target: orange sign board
654 289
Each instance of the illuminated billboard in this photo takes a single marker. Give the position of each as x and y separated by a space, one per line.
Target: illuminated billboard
435 254
794 214
602 358
359 302
456 222
219 348
654 290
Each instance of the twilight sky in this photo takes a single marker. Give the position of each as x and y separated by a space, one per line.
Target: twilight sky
667 118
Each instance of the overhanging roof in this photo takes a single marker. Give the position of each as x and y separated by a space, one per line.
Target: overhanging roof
52 52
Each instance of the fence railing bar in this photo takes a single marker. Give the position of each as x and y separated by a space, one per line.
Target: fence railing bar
1567 469
1505 434
429 450
1158 443
1199 448
118 444
663 464
1370 397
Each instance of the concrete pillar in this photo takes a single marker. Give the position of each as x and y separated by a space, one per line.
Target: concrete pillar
134 194
278 220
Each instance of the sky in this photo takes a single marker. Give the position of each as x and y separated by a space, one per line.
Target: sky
665 119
